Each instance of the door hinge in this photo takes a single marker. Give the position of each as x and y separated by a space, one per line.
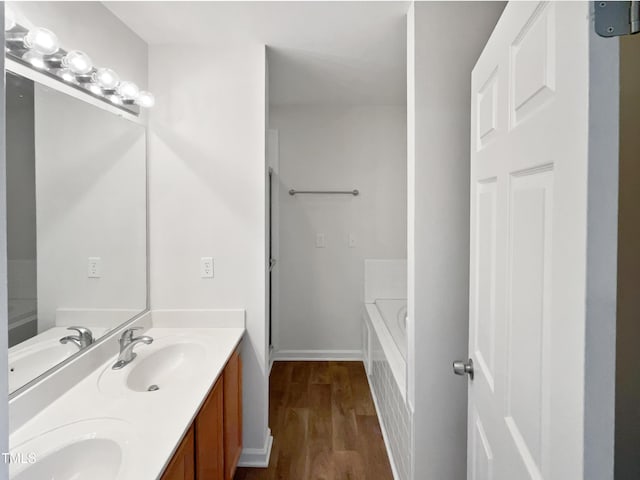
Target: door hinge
614 19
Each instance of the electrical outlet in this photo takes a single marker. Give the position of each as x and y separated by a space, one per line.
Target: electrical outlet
321 240
352 241
94 267
206 267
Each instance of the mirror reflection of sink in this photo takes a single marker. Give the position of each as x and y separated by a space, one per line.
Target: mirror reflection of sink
95 449
27 364
33 357
165 364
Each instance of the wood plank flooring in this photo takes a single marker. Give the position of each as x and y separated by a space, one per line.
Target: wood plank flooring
324 425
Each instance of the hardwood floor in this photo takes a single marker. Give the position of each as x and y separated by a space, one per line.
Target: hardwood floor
324 425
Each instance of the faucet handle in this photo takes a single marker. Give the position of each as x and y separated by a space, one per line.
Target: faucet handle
82 331
127 335
83 339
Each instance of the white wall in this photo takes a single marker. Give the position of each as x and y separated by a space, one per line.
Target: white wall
440 61
91 202
335 147
207 196
92 28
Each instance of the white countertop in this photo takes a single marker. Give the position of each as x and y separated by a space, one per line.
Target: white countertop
153 422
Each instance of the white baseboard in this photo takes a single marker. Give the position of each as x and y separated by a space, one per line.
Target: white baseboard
310 355
257 457
385 436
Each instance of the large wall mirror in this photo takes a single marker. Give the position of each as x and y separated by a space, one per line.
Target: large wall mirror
76 225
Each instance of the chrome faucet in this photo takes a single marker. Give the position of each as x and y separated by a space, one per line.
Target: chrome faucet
127 342
82 340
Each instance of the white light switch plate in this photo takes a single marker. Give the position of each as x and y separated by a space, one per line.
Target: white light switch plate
94 267
352 241
206 267
321 240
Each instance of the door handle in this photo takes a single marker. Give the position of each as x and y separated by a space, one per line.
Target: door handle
272 263
460 367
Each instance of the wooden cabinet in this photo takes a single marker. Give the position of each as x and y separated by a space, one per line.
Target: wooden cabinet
211 448
232 414
210 435
181 466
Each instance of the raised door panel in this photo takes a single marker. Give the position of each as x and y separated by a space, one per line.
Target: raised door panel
182 465
480 452
528 393
483 310
232 414
209 431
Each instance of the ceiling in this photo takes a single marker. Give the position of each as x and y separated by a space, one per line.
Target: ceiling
331 52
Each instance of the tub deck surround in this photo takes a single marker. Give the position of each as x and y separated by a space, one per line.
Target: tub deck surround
387 370
393 411
394 314
385 295
385 346
390 349
150 423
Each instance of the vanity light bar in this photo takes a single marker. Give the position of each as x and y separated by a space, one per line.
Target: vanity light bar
39 49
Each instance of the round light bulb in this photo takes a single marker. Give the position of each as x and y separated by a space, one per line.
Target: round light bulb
42 41
146 99
67 75
78 62
9 19
35 59
128 90
95 89
116 100
106 78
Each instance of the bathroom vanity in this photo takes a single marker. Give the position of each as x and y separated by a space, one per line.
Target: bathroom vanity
173 413
211 447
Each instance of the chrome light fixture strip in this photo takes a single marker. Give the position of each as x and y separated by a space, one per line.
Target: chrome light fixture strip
53 67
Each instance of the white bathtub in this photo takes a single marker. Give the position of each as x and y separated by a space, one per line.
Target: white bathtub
384 351
394 314
385 338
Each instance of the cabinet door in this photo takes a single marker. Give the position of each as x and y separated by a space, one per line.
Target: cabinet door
210 436
182 465
232 414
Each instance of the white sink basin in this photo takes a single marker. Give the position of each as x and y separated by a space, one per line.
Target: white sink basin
91 458
166 364
97 449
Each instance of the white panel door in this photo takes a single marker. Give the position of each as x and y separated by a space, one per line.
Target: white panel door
528 245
